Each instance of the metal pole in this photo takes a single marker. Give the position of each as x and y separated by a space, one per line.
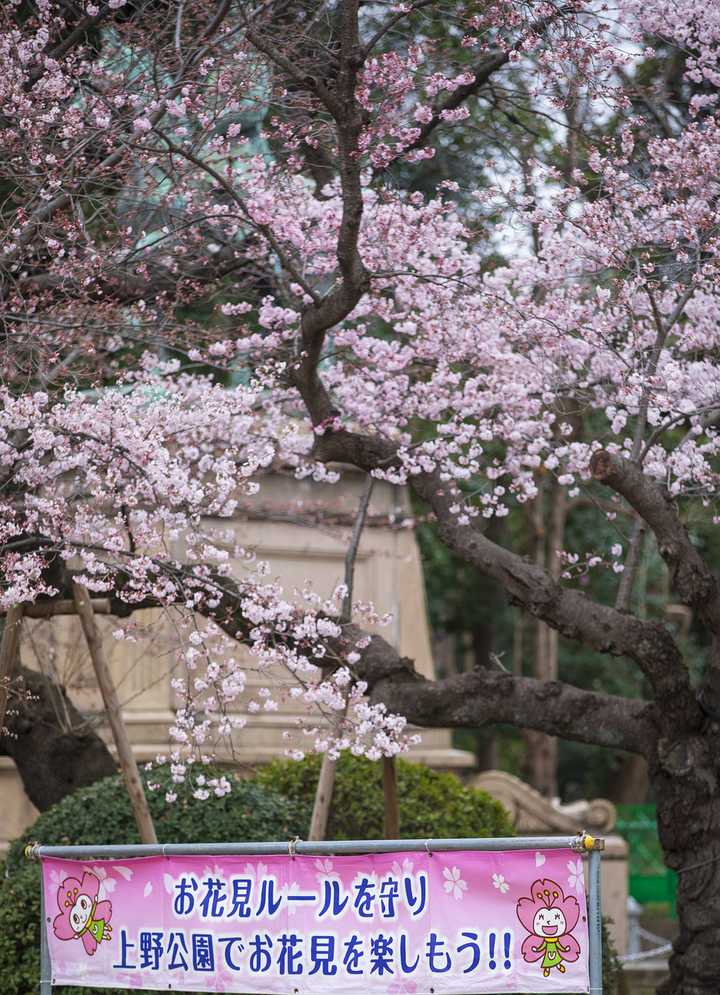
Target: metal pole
595 925
302 847
45 967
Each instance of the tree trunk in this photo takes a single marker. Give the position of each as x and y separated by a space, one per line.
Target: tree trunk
56 750
541 757
685 779
391 817
323 799
9 656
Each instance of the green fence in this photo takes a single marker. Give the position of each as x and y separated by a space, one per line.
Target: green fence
651 882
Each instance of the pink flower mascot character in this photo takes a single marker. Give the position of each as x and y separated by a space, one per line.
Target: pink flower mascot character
550 918
82 917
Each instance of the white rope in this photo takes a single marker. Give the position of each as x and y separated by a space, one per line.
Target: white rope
646 954
652 937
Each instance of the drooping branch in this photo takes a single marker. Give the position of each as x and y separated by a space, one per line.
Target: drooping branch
482 697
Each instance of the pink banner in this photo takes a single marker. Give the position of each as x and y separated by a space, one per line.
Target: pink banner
396 924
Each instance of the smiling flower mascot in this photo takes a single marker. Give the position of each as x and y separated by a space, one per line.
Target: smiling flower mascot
82 917
550 918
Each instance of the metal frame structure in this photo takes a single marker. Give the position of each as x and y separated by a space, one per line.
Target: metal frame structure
582 843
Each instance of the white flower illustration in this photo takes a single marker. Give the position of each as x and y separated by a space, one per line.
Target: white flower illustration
325 871
107 887
406 869
215 871
292 889
500 883
453 883
576 879
255 871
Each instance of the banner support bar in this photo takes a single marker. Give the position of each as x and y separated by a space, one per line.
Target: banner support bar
310 848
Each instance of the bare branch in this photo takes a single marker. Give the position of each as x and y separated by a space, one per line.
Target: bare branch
624 595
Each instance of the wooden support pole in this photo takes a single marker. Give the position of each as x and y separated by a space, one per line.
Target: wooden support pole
323 799
390 796
326 779
9 652
128 766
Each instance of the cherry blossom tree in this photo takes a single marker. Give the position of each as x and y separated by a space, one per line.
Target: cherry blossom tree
217 257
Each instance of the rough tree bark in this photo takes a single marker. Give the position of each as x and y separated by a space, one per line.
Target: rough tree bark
55 749
541 758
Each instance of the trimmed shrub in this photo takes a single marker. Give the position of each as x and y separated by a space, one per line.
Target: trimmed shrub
431 804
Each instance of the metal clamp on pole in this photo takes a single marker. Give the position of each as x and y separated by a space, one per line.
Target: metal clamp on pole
30 852
585 843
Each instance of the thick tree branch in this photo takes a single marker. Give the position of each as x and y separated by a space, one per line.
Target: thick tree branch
484 698
476 698
598 626
473 699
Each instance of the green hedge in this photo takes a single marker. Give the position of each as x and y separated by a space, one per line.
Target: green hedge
276 805
431 804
